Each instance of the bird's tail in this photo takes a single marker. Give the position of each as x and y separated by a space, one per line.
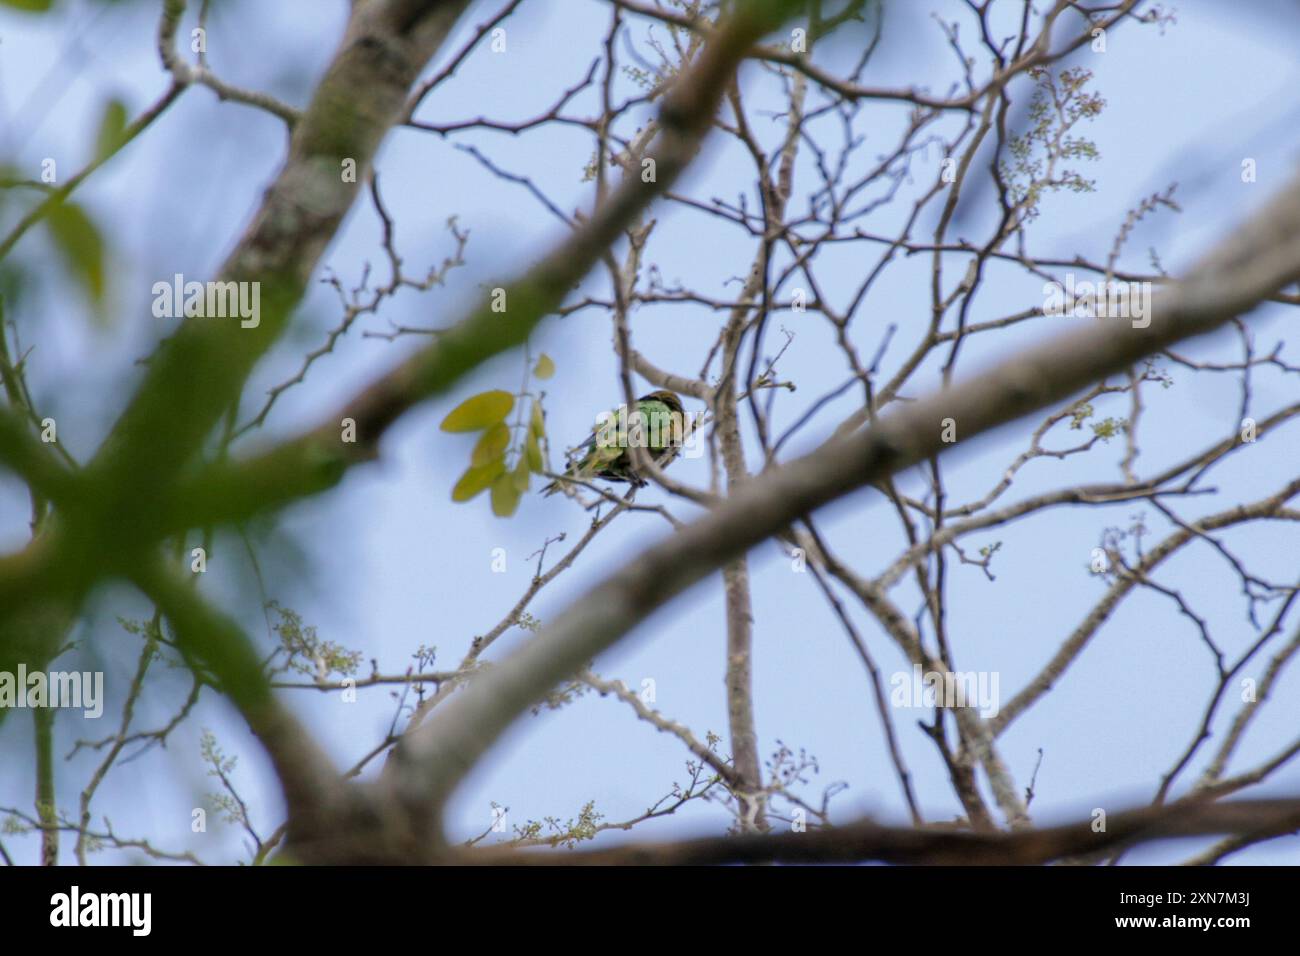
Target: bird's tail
553 487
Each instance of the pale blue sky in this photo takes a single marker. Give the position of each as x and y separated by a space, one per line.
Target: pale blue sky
385 563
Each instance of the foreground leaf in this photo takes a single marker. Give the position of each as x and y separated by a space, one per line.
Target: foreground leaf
505 496
111 127
31 6
475 480
81 245
521 474
479 411
491 446
533 453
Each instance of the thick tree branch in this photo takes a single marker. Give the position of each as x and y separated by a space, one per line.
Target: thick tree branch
867 841
198 372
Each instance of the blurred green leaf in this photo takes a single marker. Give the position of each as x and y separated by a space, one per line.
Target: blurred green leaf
111 127
533 441
479 411
505 496
491 446
521 475
80 243
533 452
545 367
476 479
31 6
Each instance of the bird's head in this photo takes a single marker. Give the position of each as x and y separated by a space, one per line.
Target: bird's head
670 399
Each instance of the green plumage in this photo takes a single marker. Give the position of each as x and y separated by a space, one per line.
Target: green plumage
660 428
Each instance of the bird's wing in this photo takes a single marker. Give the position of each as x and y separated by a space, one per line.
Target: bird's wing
596 454
663 426
602 458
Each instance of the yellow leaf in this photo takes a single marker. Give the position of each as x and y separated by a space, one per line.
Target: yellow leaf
476 479
112 125
537 424
521 476
505 496
81 244
479 411
533 453
545 367
491 446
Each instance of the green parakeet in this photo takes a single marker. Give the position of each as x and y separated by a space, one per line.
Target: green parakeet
659 426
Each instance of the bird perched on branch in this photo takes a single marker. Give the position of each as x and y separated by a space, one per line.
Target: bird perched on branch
658 425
